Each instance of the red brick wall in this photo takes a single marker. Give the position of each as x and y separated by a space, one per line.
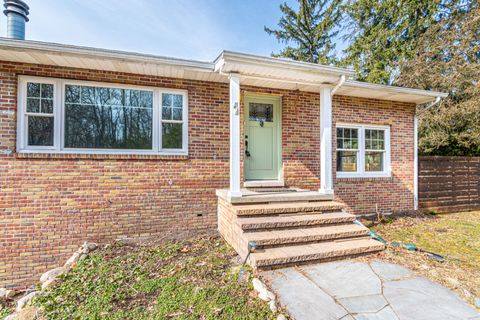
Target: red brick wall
50 204
394 194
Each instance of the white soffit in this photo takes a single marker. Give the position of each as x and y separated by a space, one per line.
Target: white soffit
107 60
253 70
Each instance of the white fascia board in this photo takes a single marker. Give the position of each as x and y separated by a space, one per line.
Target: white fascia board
393 89
231 56
48 47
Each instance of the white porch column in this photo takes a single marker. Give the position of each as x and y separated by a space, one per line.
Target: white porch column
235 137
326 176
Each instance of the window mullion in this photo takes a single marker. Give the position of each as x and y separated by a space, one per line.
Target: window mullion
361 144
58 112
157 127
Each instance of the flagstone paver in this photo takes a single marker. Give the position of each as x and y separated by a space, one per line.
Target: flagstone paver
303 297
390 271
351 290
419 298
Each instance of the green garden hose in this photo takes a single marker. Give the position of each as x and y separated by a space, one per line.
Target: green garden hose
407 246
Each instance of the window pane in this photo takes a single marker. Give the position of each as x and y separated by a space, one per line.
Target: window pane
72 94
33 105
374 139
177 114
47 106
177 101
33 89
40 131
166 113
108 118
261 112
166 100
47 90
40 98
373 161
172 106
172 135
347 161
347 138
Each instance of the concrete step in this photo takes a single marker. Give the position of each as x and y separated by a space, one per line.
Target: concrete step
287 207
304 235
292 221
287 255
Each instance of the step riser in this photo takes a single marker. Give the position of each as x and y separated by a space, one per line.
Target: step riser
297 242
317 256
309 262
273 213
269 226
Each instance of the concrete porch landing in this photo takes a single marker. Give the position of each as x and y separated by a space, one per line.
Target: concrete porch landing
291 228
291 194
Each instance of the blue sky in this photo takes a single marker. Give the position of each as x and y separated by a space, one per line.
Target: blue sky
192 29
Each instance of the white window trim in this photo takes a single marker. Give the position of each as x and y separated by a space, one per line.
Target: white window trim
361 173
59 122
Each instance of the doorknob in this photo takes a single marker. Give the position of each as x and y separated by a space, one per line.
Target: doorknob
246 149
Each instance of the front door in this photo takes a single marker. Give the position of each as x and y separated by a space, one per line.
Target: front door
262 137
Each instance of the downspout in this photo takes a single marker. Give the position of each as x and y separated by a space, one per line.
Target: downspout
415 160
338 85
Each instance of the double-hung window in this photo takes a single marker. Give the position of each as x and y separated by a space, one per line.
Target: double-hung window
363 151
63 116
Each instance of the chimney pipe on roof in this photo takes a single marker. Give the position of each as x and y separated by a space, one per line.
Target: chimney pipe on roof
16 12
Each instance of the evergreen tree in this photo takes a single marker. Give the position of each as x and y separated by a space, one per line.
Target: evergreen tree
447 59
308 32
384 34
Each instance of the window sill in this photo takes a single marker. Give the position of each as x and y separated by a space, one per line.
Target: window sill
380 175
44 154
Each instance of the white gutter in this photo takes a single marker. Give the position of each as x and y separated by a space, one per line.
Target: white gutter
394 89
232 56
339 84
437 100
123 56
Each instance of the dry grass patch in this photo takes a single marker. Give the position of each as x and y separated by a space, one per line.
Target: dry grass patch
188 279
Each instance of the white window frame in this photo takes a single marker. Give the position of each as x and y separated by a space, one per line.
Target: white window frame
361 173
59 119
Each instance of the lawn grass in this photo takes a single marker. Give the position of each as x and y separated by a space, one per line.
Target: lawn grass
455 236
189 279
5 311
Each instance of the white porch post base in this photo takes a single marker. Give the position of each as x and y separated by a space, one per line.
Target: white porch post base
326 176
235 190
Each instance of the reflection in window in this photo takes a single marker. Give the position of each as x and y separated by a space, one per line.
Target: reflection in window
261 112
39 110
172 121
347 149
40 131
108 118
374 150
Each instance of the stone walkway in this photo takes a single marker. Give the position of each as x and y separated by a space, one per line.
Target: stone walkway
351 290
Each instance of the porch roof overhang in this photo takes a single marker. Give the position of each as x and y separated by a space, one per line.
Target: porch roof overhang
253 70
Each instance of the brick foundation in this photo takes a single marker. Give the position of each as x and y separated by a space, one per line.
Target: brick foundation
50 204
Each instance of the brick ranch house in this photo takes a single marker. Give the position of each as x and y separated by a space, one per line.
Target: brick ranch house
99 144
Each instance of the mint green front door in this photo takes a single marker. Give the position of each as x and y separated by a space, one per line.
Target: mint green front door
262 137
